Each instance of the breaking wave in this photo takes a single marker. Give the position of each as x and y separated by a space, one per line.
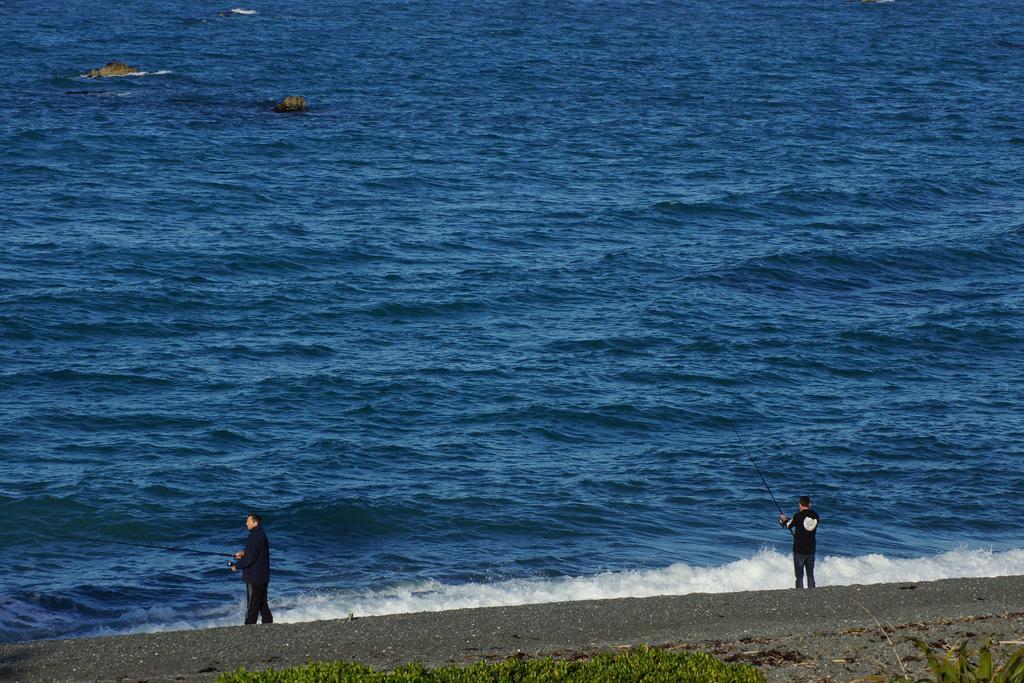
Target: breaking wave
766 570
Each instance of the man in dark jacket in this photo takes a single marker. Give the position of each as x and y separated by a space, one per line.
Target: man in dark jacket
255 564
803 525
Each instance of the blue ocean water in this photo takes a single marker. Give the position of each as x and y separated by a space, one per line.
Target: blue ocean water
487 324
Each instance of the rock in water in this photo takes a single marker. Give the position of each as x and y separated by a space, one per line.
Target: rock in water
112 69
291 103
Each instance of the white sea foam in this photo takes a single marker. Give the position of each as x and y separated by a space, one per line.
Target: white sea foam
766 570
135 74
239 10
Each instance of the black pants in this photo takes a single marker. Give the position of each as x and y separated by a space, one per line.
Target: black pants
256 593
800 564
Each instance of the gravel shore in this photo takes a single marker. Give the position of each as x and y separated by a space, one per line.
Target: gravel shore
827 634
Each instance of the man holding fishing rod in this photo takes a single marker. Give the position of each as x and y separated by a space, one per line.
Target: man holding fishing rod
255 564
804 524
802 527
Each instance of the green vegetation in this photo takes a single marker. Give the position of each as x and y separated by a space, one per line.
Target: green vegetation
646 664
956 666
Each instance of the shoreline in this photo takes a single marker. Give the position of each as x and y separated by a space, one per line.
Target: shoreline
830 633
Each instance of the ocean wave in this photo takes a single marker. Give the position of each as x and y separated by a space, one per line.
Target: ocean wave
705 208
422 308
766 570
74 376
843 270
24 614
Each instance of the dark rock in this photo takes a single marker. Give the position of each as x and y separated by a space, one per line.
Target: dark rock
292 103
112 69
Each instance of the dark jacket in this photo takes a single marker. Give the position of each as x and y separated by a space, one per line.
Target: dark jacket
804 537
255 564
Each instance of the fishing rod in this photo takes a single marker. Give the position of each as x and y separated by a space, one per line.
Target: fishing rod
149 545
763 480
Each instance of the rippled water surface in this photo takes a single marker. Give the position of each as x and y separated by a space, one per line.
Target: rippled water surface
487 324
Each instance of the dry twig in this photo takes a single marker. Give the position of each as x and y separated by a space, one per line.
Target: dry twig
880 628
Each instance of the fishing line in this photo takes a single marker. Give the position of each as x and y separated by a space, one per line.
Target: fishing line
149 545
763 481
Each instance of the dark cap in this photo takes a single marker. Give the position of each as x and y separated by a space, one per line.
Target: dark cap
805 500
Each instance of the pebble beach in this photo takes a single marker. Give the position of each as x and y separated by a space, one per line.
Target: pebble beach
839 633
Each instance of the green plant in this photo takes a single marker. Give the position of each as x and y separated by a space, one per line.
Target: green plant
650 665
956 666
